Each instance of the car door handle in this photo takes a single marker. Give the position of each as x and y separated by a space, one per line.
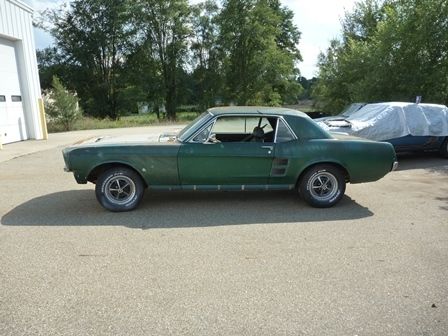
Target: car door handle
269 148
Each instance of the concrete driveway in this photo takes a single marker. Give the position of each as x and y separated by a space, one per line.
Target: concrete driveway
220 263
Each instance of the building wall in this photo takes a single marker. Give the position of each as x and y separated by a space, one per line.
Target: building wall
16 26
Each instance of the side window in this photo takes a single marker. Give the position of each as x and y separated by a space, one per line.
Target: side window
233 125
264 123
244 129
2 98
238 129
203 135
283 132
16 98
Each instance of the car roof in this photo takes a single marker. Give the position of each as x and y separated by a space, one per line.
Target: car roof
278 111
405 104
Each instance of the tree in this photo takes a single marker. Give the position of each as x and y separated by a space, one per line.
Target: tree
94 38
390 50
62 106
119 54
207 72
259 56
50 65
308 87
164 31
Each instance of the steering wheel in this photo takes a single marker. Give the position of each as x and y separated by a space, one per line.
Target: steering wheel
257 133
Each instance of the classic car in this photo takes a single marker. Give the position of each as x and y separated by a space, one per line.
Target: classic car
408 127
231 148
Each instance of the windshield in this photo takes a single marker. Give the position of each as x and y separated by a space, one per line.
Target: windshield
191 127
352 108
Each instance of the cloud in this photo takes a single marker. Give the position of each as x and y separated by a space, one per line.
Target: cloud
319 21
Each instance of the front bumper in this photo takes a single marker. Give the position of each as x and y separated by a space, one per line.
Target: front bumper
394 166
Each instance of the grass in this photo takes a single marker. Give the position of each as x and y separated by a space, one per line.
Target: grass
306 106
87 123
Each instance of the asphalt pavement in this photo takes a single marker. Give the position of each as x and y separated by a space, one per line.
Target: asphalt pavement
227 263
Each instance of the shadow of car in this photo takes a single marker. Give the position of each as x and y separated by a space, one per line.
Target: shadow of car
179 210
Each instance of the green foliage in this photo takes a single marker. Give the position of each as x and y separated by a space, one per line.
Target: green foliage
118 55
50 64
62 106
206 53
139 120
164 27
259 56
308 87
93 40
390 50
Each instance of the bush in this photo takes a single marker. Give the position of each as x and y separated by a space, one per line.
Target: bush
61 106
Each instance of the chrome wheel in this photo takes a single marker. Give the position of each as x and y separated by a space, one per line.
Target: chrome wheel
119 189
323 186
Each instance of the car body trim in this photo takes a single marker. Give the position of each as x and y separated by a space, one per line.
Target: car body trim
215 187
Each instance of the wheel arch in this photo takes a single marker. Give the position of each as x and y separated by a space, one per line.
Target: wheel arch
330 163
101 168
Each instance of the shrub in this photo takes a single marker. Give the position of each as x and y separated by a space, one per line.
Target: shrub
62 106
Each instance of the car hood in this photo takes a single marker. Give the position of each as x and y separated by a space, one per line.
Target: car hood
168 136
330 118
337 122
134 139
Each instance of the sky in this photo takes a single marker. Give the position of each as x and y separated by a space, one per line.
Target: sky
318 21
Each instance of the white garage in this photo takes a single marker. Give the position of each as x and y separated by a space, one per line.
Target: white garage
21 117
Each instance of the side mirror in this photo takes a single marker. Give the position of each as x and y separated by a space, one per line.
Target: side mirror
212 138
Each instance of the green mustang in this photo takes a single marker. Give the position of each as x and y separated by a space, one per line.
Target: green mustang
231 148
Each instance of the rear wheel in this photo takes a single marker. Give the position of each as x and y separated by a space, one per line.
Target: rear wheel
119 189
444 148
322 186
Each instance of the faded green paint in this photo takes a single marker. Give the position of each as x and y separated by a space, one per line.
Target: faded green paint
237 165
156 163
225 163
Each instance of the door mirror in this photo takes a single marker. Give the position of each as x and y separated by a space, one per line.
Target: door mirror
212 138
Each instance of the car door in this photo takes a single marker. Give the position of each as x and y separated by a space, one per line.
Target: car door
231 157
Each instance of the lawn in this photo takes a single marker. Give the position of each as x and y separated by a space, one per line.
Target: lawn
86 123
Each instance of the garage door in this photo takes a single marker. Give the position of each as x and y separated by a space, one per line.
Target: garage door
12 121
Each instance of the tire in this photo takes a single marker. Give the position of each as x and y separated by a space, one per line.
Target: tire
444 148
322 186
119 189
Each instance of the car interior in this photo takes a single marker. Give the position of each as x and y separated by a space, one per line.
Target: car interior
244 129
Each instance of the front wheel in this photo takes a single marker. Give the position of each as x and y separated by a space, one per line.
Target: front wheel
322 186
119 189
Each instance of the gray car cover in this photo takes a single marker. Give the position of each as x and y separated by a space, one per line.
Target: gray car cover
384 121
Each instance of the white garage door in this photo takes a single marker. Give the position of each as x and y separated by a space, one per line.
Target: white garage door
12 121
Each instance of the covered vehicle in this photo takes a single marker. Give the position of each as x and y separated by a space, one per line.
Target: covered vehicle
348 111
407 126
231 148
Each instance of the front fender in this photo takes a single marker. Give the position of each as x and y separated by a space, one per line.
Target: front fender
156 164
